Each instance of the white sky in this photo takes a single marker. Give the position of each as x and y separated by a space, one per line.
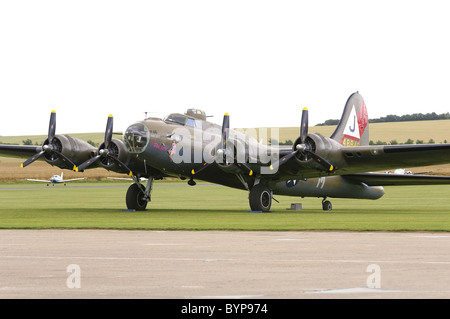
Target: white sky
261 61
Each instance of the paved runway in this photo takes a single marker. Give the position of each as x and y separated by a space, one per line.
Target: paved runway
221 264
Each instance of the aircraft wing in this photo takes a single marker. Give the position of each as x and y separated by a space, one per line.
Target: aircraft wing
383 179
73 179
38 180
21 151
374 158
121 178
344 160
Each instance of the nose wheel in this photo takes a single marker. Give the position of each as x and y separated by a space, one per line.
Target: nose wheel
138 196
326 204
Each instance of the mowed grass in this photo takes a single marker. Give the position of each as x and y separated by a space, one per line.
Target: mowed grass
210 207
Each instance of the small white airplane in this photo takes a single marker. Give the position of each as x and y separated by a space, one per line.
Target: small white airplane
404 171
401 171
56 179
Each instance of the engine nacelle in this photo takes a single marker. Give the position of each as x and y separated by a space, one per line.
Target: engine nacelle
118 150
318 144
73 148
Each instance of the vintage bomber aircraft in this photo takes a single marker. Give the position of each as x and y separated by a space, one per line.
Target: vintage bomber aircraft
316 166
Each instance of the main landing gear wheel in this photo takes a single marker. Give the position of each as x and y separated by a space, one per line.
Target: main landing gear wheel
326 205
260 198
135 198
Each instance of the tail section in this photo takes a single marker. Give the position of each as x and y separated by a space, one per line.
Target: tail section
353 128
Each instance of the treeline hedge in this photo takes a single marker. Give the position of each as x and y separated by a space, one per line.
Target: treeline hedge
392 142
409 141
400 118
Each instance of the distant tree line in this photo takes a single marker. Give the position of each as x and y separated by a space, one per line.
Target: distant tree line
412 117
408 141
400 118
392 142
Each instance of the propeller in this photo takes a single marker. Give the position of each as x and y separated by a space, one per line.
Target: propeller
304 148
50 145
105 150
223 151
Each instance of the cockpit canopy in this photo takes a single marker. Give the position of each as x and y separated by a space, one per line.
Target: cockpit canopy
192 118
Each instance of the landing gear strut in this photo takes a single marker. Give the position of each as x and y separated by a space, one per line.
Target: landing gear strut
260 197
138 196
326 204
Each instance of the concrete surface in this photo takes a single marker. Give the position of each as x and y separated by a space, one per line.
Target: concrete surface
221 264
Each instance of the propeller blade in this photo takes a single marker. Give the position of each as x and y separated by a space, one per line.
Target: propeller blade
327 165
120 163
32 159
86 164
109 131
225 130
240 165
304 125
282 160
246 168
204 165
65 158
52 127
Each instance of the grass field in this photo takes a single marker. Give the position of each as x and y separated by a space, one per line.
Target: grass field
211 207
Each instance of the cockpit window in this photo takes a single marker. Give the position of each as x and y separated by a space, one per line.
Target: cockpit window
184 120
176 118
136 138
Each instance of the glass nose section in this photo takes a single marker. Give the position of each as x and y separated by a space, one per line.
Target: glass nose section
136 138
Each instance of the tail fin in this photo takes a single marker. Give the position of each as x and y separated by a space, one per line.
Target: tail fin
353 128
